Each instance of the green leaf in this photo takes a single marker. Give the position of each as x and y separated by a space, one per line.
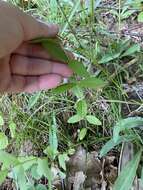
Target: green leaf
140 17
81 108
78 92
44 39
33 100
93 120
49 152
53 140
27 161
62 160
126 14
92 82
54 48
82 133
78 68
30 186
63 88
109 57
43 169
126 124
8 159
3 175
111 144
127 175
19 175
34 172
134 48
12 127
3 141
71 151
41 187
1 120
75 119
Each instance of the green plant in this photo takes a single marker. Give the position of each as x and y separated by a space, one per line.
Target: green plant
42 117
124 182
125 125
26 170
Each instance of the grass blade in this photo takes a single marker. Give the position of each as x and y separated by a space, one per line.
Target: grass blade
33 100
111 144
53 140
71 16
126 177
109 57
124 124
133 49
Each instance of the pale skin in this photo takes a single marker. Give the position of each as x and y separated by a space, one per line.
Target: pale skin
25 67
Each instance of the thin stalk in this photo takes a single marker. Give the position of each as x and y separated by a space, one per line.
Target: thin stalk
119 20
70 26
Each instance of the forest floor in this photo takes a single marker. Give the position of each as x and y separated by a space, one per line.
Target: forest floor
110 33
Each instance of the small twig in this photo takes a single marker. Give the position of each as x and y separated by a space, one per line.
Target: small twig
123 102
133 61
115 8
119 17
111 8
122 33
125 33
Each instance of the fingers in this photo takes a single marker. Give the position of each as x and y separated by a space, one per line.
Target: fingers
32 50
37 51
4 73
21 65
33 28
16 27
11 32
32 84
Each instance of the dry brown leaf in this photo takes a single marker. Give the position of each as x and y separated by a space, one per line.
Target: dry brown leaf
79 181
127 153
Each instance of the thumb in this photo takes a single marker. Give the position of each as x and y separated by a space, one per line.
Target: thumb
33 28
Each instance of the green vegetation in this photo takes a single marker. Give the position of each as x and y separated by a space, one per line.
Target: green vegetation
92 108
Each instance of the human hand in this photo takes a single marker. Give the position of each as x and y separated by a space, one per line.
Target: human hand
26 67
